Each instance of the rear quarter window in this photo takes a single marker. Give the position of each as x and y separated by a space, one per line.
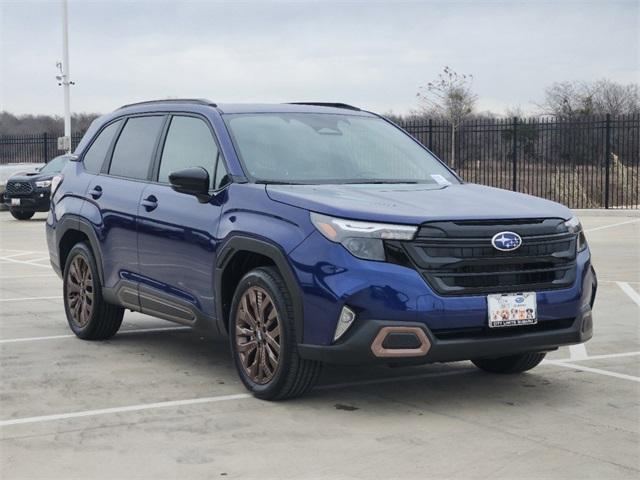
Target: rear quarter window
97 152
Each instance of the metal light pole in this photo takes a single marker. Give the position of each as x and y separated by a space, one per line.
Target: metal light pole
65 81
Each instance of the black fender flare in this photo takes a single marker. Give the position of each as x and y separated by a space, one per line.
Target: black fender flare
272 251
75 222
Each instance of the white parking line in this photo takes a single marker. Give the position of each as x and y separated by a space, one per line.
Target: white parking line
18 254
616 281
22 262
578 352
611 225
242 396
626 288
601 357
22 299
593 370
194 401
35 275
3 250
129 408
57 337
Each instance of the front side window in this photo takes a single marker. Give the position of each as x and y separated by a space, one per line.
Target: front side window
189 143
94 158
331 148
133 152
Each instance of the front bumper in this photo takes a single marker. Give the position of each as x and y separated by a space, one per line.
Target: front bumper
360 345
38 201
398 295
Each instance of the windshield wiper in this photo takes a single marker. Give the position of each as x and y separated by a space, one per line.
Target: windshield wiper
339 182
277 182
382 182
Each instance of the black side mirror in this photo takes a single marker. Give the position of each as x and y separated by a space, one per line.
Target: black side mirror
192 181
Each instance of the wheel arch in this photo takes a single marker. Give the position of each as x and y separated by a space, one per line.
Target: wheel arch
73 229
249 253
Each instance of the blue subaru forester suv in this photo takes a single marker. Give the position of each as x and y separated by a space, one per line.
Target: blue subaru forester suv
310 233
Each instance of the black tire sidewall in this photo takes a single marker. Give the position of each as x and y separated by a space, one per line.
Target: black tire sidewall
19 214
512 364
83 250
262 278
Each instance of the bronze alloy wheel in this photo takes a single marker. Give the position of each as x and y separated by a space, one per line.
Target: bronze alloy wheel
80 291
258 335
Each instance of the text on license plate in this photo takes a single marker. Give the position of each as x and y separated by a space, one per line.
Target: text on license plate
512 309
15 201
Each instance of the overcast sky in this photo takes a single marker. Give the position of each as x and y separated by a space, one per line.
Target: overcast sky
371 54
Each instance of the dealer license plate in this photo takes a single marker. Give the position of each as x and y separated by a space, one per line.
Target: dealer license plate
15 201
512 309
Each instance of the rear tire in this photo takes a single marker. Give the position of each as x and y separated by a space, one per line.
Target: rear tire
89 316
511 364
21 214
263 338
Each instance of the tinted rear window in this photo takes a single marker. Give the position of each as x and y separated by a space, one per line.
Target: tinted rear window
133 152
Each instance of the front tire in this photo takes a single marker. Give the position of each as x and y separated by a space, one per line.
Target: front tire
21 214
263 338
511 364
89 316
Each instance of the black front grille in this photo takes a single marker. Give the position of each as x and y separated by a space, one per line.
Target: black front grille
457 258
19 188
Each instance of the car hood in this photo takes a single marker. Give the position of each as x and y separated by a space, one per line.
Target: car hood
30 177
415 204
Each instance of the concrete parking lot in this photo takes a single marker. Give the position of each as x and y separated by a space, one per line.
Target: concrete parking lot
161 401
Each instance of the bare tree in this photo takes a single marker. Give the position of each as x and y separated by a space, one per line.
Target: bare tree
566 100
574 99
615 98
449 96
11 124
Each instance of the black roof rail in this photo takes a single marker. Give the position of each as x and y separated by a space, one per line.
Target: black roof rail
327 104
198 101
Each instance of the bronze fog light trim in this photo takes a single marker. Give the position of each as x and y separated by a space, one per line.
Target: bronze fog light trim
379 351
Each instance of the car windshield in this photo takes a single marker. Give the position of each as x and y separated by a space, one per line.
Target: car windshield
55 165
330 148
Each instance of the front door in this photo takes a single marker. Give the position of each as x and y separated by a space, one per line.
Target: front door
176 232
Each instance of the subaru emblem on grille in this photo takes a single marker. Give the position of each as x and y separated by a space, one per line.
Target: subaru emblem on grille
506 241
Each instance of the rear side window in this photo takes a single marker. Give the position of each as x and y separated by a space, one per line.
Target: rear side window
189 143
94 158
133 152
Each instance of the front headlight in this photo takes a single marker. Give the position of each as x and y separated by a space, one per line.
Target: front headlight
55 183
574 226
362 239
43 184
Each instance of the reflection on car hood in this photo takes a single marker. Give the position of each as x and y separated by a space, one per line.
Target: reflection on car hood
415 204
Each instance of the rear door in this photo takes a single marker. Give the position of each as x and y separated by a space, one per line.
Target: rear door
116 194
177 233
